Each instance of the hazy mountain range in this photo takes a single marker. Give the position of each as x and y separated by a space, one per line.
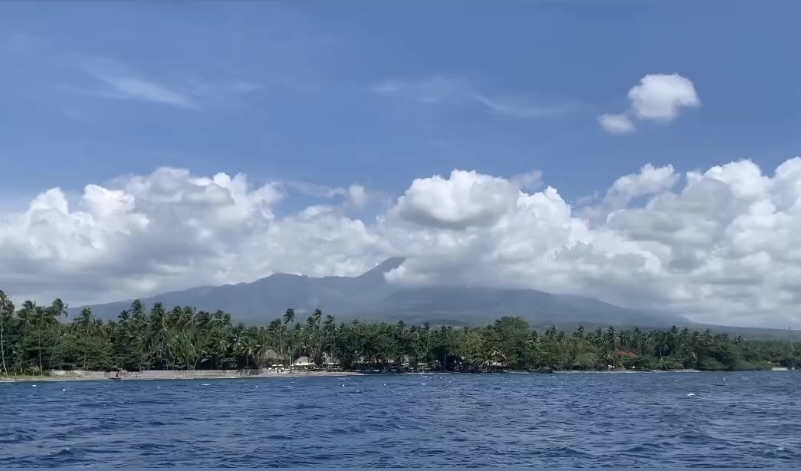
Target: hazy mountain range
369 297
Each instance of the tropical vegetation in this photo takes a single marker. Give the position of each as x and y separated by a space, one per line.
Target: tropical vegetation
35 339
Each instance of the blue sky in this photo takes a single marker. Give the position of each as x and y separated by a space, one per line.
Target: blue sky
289 90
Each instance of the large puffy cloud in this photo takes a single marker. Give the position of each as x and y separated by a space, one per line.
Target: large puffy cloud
658 98
464 200
720 245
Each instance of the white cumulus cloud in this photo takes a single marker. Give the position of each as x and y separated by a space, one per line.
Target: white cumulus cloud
658 98
722 245
463 200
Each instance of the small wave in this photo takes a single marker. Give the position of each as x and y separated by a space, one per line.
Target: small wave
147 447
645 448
565 452
156 423
16 438
303 406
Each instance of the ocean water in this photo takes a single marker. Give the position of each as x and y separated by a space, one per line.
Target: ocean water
575 420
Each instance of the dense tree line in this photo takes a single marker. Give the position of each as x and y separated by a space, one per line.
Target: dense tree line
36 339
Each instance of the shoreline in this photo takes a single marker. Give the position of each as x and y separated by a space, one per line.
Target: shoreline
165 376
570 372
173 377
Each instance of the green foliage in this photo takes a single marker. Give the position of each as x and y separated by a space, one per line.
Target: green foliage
36 339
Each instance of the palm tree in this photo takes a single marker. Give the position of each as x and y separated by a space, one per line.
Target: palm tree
289 317
399 343
427 330
42 317
276 330
85 323
26 315
330 326
316 316
58 309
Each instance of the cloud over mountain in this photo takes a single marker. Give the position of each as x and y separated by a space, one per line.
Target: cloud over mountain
720 245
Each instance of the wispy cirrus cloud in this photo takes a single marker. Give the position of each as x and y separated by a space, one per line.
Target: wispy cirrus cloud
108 77
133 88
431 90
114 79
521 107
444 90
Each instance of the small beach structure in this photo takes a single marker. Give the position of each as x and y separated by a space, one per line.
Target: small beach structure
330 362
302 362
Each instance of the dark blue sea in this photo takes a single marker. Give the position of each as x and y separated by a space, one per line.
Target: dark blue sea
574 420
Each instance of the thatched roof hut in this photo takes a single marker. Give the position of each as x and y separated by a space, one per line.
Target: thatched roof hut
302 361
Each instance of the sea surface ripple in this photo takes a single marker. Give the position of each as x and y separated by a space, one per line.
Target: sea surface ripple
575 420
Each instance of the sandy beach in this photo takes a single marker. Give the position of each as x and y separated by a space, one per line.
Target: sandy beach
170 375
155 375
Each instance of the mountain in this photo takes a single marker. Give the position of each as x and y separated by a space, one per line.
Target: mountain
369 297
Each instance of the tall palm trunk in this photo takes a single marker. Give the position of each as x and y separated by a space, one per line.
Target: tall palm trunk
39 341
331 354
25 331
2 344
85 346
3 307
58 342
